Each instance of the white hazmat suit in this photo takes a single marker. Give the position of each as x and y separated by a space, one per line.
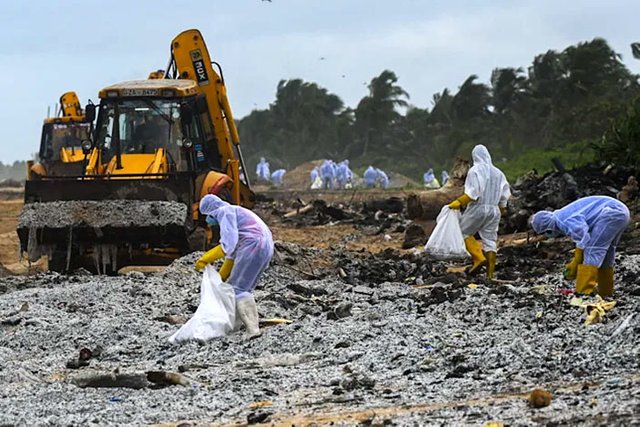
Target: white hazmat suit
246 240
488 188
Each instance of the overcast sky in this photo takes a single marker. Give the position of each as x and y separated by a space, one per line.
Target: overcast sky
50 47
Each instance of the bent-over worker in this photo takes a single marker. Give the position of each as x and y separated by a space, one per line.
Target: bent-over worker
486 192
595 224
247 246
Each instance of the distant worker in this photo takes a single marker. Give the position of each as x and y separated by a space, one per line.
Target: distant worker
445 177
382 179
370 177
262 171
595 224
343 174
430 180
246 245
327 172
314 174
486 192
277 177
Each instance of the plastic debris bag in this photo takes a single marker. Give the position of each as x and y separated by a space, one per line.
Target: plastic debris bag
446 240
216 314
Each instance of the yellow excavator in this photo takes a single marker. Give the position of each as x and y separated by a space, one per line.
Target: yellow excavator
60 145
159 146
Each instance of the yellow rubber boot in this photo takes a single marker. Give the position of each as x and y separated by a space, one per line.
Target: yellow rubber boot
571 269
209 257
586 278
605 282
225 270
475 249
491 263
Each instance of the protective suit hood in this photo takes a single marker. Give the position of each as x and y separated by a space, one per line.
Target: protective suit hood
211 203
480 155
543 221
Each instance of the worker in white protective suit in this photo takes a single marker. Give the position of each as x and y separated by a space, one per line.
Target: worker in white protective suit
595 224
247 246
486 192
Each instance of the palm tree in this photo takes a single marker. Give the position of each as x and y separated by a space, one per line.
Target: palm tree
376 113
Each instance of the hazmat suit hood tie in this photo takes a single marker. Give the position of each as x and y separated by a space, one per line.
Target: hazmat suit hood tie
211 203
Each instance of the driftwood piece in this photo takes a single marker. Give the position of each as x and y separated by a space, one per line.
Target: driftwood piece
426 204
111 380
165 378
303 210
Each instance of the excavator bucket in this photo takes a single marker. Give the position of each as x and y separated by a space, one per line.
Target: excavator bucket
63 217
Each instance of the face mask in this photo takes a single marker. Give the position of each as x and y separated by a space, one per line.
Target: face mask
211 220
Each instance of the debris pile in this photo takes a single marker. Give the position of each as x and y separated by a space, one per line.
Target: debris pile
382 213
366 343
554 190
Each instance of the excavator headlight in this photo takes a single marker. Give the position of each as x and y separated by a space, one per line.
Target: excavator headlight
112 94
187 143
86 146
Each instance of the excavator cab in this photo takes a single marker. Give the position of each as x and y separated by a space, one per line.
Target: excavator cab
155 131
61 152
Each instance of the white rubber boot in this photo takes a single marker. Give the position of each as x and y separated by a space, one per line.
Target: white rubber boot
248 312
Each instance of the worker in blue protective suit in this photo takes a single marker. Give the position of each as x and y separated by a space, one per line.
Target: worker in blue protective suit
343 174
328 174
277 177
486 192
370 176
314 174
445 177
262 171
430 180
246 245
595 225
382 179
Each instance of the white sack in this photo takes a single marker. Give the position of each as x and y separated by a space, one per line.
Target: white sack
216 314
446 241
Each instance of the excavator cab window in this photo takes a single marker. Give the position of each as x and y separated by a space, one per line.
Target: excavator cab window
58 136
141 126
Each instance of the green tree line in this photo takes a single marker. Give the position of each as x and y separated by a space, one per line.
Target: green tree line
563 99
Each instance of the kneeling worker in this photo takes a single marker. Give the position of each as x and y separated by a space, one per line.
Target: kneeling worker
595 224
247 246
486 192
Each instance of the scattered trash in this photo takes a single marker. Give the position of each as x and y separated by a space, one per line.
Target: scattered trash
595 310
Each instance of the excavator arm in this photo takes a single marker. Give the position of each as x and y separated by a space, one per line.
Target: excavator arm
190 59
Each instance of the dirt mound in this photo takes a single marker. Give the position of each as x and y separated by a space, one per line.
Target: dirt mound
397 180
298 178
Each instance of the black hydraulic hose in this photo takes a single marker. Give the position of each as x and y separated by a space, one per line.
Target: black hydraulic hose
116 136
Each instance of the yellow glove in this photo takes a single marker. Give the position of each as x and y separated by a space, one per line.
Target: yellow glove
211 256
502 210
460 202
225 270
572 268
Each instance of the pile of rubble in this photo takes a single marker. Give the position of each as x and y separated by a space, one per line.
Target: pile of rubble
359 338
554 190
